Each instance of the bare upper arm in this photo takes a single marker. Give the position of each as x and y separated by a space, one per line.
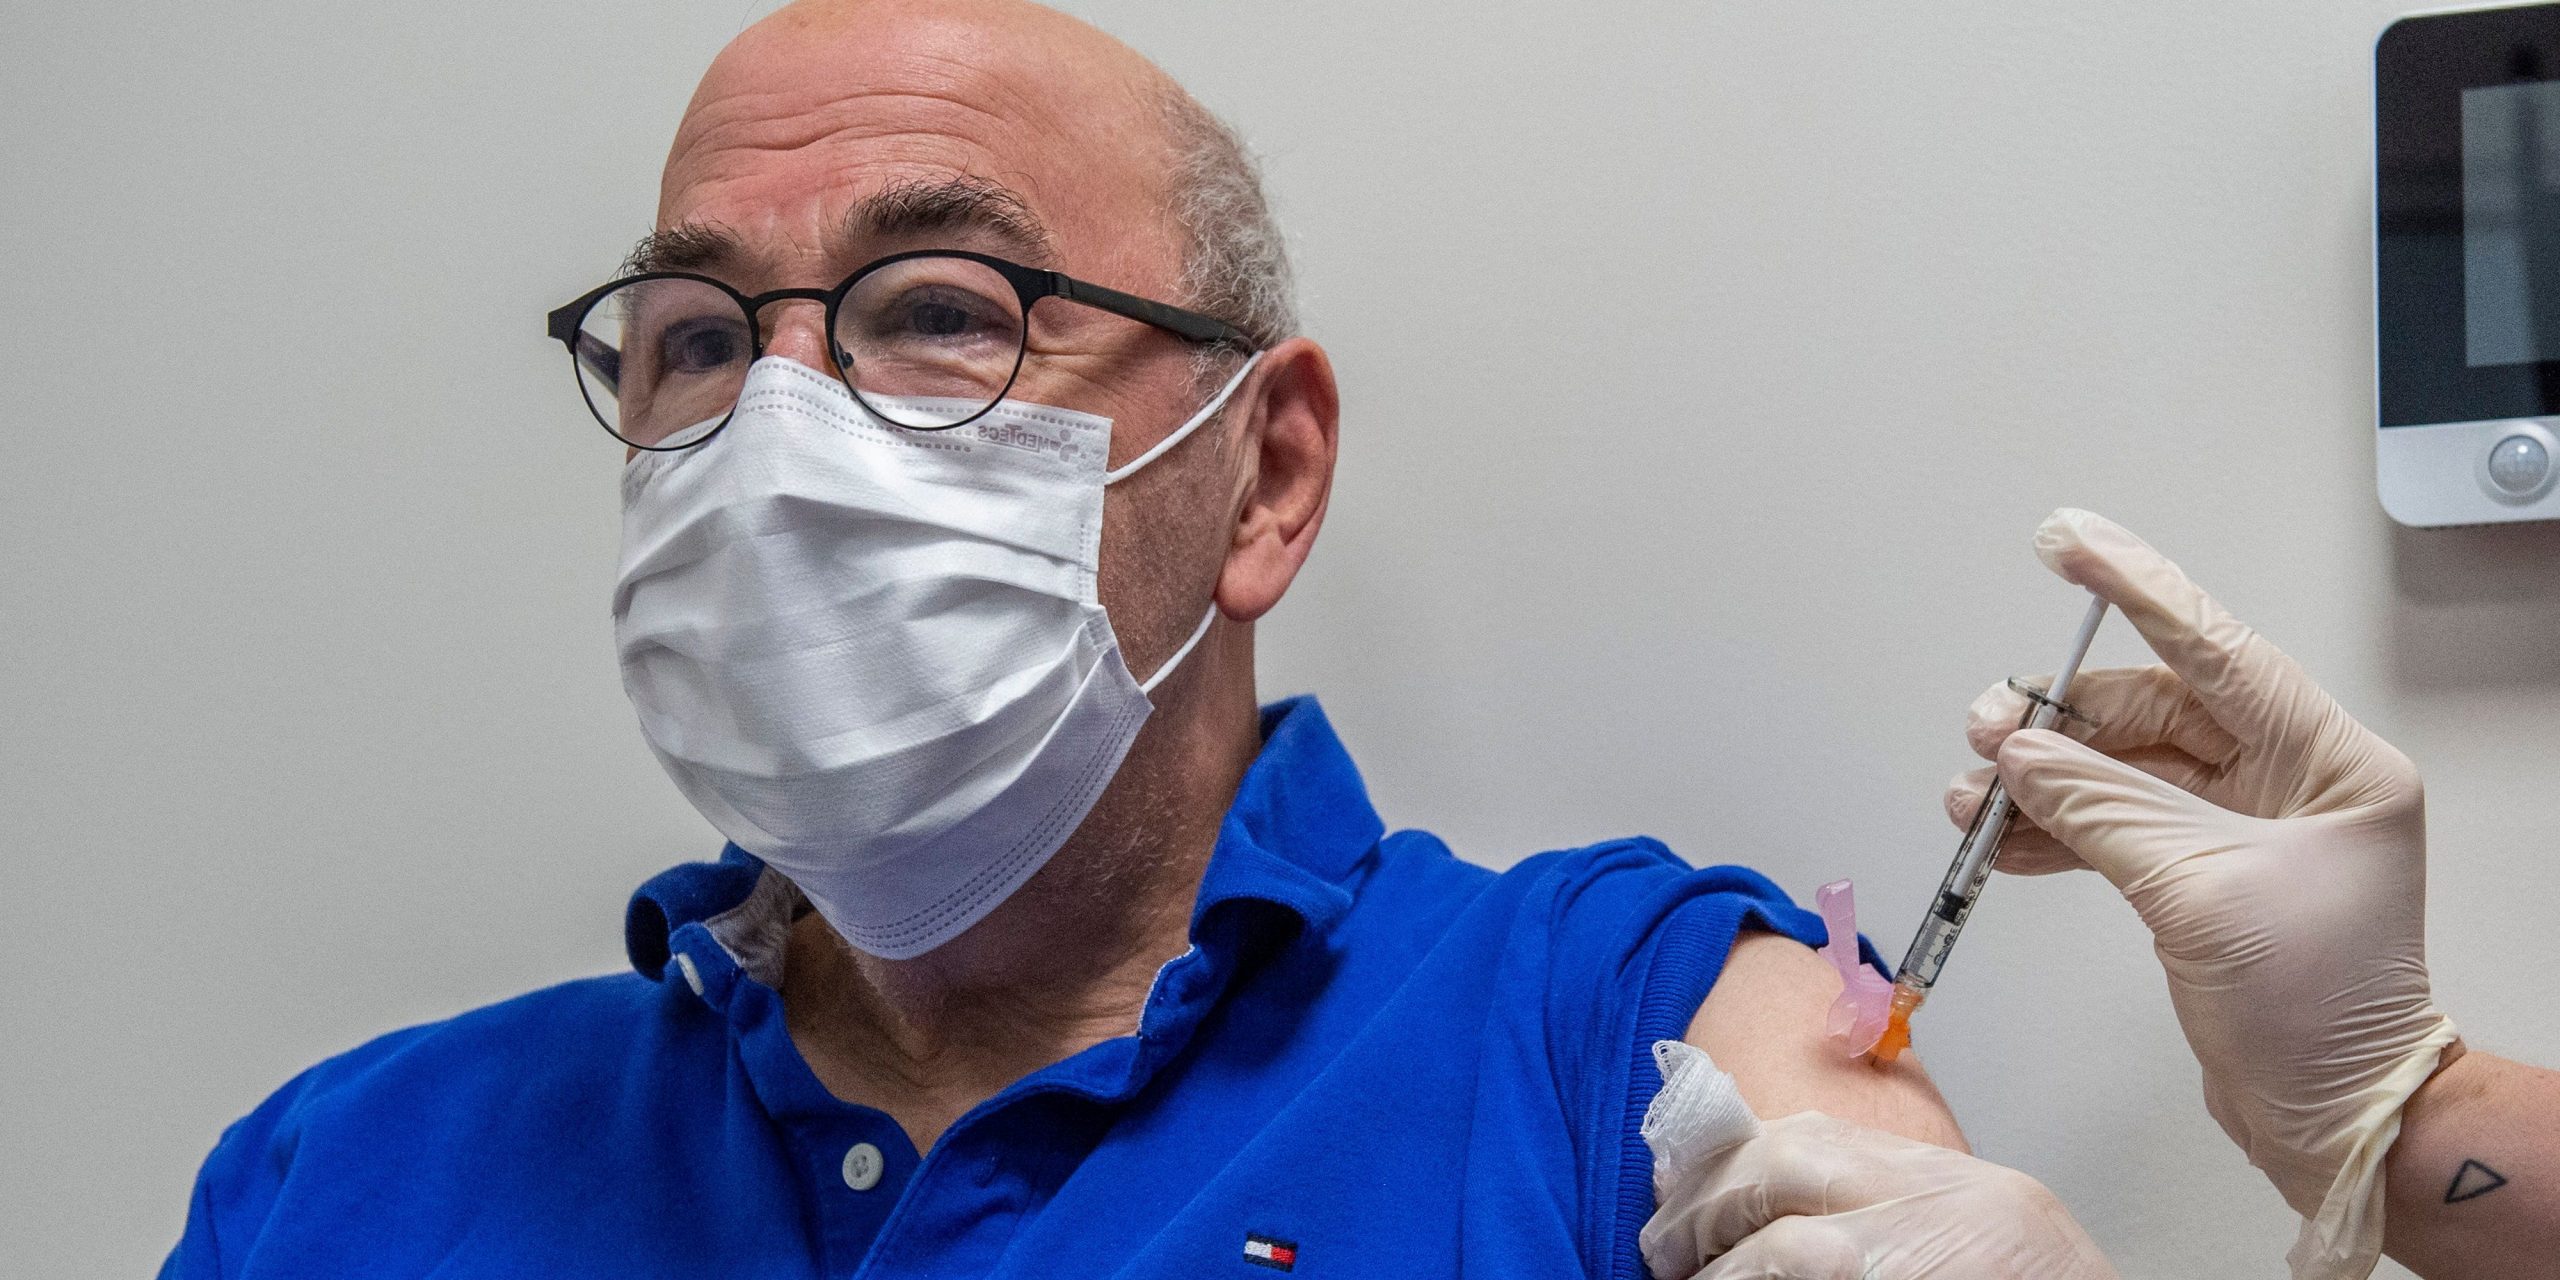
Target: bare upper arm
1763 1024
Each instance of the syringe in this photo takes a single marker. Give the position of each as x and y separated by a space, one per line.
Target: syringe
1972 868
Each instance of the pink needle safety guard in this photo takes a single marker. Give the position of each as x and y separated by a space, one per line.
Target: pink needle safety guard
1858 1016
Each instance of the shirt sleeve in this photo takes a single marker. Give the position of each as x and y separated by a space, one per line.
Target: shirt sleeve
239 1183
197 1256
1638 939
234 1189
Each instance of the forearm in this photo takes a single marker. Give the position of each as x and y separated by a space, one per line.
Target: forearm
2474 1178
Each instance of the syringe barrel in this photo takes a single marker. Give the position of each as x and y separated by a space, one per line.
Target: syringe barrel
1956 896
1972 867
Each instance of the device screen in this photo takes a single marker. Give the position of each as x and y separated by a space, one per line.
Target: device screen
2467 216
2511 223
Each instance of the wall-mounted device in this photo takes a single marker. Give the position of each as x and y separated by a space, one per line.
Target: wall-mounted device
2467 265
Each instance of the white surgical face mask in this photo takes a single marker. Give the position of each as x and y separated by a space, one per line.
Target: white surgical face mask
873 657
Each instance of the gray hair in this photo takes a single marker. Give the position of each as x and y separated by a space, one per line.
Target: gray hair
1235 263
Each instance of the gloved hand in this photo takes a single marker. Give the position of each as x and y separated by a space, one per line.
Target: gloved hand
2276 849
1809 1197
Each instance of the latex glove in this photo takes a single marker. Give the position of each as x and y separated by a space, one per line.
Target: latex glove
1809 1197
2277 851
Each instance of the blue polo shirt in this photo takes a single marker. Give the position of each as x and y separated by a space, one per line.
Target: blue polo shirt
1374 1060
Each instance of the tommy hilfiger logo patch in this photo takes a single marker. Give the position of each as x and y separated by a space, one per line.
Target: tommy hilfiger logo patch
1263 1251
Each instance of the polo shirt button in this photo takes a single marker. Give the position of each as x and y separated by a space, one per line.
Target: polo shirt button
692 976
862 1165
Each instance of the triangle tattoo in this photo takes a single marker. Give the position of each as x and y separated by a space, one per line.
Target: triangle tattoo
2472 1181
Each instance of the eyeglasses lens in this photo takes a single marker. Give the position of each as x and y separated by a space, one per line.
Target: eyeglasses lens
929 342
662 361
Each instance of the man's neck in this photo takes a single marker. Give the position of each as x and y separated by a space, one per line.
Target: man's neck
1063 964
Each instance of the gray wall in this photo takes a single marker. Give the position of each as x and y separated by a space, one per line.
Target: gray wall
1706 367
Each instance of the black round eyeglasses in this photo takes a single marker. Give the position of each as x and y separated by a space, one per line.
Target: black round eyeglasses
927 340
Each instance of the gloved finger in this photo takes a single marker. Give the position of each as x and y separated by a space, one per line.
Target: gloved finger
2110 813
2170 765
2031 851
2027 851
1805 1164
1793 1249
2249 685
2132 707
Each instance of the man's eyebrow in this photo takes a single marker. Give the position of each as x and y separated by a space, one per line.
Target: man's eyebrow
692 246
973 207
911 210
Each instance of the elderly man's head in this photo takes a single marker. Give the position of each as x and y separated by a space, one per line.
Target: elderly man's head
838 131
867 650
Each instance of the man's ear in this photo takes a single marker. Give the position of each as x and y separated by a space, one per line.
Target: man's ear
1295 411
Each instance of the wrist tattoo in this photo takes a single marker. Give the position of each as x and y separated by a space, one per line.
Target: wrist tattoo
2472 1181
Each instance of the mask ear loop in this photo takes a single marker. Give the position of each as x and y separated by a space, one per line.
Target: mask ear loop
1207 411
1149 684
1130 468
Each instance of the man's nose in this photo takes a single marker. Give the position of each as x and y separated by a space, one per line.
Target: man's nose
796 329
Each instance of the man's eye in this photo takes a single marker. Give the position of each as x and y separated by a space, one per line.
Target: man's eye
945 314
701 346
937 319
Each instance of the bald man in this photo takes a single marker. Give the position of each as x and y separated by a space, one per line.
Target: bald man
966 433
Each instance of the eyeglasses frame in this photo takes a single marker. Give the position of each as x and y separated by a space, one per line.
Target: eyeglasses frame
1030 285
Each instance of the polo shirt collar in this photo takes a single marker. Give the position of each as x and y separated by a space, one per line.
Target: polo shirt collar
1300 823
